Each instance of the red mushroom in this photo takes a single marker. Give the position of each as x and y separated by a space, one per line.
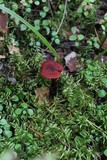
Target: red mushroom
51 70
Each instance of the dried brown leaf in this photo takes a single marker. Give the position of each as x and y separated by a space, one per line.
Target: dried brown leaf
3 22
13 49
71 61
42 93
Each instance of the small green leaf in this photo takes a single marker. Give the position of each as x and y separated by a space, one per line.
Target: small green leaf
101 93
18 148
46 9
24 105
18 111
47 30
15 98
61 7
43 14
14 6
37 3
24 112
45 22
1 107
8 90
3 122
80 37
31 43
37 24
89 42
6 127
79 10
23 27
28 10
54 33
86 13
84 3
38 44
73 29
105 152
57 41
30 112
73 38
30 1
104 80
76 44
96 45
8 133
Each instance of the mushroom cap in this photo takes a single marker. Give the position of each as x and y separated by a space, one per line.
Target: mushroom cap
51 69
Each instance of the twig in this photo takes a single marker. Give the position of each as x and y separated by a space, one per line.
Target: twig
97 35
64 14
57 4
96 127
38 133
103 41
50 4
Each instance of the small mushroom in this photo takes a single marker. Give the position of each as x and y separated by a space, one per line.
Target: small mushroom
51 70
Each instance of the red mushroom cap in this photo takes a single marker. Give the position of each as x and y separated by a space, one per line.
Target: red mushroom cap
51 69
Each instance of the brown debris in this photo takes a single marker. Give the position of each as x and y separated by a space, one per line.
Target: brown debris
3 22
42 94
71 61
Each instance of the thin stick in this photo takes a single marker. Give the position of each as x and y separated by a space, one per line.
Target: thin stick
97 35
50 4
57 4
96 127
103 41
64 14
38 133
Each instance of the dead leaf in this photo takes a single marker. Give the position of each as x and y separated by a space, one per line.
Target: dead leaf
2 57
3 22
13 49
42 93
1 38
71 61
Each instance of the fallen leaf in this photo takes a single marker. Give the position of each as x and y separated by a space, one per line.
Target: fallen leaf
1 38
42 93
2 57
71 61
13 49
3 22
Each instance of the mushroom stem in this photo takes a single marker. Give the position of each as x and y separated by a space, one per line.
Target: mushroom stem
53 88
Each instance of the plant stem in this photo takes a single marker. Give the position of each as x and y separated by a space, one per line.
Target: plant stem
103 41
64 14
